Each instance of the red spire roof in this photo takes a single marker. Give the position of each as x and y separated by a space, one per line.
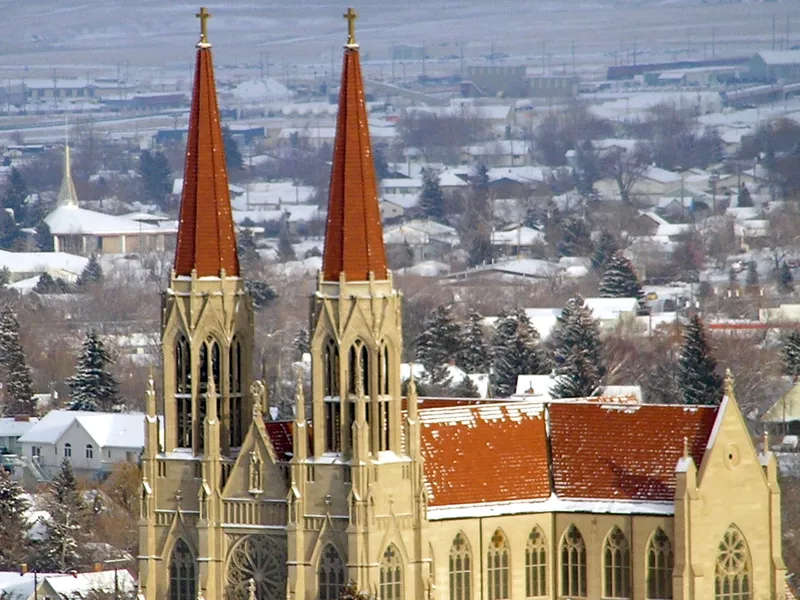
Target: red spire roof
206 236
354 234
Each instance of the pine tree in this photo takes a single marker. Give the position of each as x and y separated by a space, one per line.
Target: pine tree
233 158
465 389
68 529
473 351
47 285
261 293
14 525
575 237
790 354
516 351
431 198
93 387
604 249
785 279
5 276
699 382
300 343
752 274
92 273
438 343
285 249
44 238
579 364
18 386
156 176
744 199
16 195
620 279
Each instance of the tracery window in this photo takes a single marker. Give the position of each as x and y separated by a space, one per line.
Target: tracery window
384 414
497 567
330 369
183 366
209 351
460 569
660 562
391 575
183 393
235 426
573 563
536 564
182 576
330 573
617 565
733 580
261 558
358 359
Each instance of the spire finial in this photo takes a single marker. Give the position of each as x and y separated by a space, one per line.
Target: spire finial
685 447
351 17
204 16
766 442
729 383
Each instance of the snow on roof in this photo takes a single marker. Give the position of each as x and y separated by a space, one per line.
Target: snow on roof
661 175
401 182
41 262
113 430
16 426
499 148
420 231
81 585
526 267
293 213
605 308
70 220
427 268
780 57
518 236
261 90
527 174
622 391
402 200
535 386
24 286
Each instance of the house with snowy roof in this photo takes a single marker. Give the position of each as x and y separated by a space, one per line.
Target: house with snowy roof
27 586
92 441
85 232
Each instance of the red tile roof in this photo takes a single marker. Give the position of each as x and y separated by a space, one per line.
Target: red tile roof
485 453
206 235
354 234
623 452
281 434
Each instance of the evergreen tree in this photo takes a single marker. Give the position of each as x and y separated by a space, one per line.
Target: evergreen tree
300 343
379 160
579 364
431 198
752 274
785 279
18 386
92 273
5 276
620 279
246 245
437 345
233 158
473 352
261 293
67 530
14 525
285 249
515 351
733 278
465 389
44 238
93 387
16 194
744 199
575 237
156 176
790 354
480 183
699 382
604 249
11 236
587 169
48 285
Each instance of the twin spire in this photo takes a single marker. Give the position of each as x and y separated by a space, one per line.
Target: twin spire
206 235
354 249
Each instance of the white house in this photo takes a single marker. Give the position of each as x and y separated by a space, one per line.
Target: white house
11 429
92 441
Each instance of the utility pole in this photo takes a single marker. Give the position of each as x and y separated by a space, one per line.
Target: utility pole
391 56
713 41
773 32
423 60
544 58
491 54
573 57
635 50
461 44
787 33
261 66
688 43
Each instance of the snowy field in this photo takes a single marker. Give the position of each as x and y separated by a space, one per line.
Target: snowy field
96 36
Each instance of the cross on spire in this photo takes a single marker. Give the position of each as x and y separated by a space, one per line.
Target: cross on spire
204 16
351 17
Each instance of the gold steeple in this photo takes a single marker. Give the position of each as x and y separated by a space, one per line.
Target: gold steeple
351 17
204 16
67 196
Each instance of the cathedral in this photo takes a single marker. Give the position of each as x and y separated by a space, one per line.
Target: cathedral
413 498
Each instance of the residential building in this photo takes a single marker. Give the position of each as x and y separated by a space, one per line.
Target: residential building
11 429
446 499
775 65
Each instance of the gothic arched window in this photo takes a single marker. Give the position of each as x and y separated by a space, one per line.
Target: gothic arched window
660 561
183 392
330 369
182 576
358 359
497 567
536 564
235 428
384 412
617 565
391 581
460 569
383 359
733 580
330 573
573 563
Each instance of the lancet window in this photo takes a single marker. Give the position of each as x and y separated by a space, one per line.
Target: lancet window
235 425
330 574
536 565
660 562
391 575
573 564
182 576
733 580
183 392
617 565
460 569
497 567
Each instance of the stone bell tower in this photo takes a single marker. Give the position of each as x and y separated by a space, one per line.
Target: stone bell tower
358 470
207 345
